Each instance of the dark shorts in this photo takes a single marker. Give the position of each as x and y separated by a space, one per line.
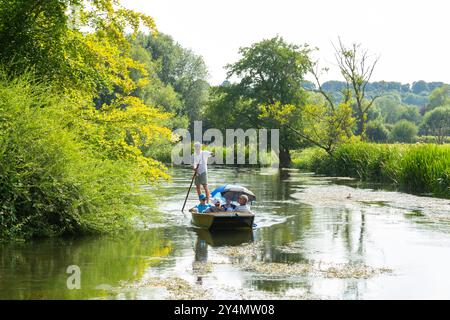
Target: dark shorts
201 179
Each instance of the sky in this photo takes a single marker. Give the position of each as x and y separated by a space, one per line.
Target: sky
411 37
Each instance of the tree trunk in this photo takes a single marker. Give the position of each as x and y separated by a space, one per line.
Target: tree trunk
285 158
361 126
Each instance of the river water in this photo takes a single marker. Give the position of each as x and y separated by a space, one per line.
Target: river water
316 238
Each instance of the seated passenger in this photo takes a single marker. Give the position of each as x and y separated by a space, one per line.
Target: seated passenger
202 206
243 204
228 206
216 208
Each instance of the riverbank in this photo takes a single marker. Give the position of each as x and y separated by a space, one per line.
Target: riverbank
418 168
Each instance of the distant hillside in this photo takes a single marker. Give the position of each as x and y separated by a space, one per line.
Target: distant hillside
416 93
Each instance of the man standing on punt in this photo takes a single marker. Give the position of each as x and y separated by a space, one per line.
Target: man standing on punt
200 163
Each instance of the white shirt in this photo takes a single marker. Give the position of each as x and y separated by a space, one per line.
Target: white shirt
242 208
201 159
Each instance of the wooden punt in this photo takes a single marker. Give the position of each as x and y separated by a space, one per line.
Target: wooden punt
223 220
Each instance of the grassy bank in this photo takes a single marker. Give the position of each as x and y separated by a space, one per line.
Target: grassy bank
419 168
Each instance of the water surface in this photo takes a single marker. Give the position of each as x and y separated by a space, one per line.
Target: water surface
316 238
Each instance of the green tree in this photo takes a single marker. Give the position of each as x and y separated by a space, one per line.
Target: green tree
437 123
270 73
404 131
39 36
419 87
410 113
377 132
439 97
318 124
179 68
72 127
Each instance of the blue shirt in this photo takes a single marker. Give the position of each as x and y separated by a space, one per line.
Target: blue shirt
202 207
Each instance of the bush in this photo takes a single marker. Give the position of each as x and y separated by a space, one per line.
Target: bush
376 131
52 182
308 159
437 123
404 131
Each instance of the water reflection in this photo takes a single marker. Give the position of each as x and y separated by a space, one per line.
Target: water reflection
37 270
220 238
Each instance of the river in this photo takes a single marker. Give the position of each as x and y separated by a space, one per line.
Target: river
315 238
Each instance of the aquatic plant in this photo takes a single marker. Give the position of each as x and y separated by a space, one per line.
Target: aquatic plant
418 168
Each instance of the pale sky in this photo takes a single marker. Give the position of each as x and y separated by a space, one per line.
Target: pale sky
412 37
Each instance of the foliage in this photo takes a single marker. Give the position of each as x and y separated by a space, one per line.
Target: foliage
377 132
439 97
308 158
63 170
321 125
402 91
432 139
404 131
44 37
437 123
271 71
423 168
177 68
73 125
420 86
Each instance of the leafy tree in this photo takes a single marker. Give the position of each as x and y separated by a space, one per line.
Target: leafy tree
410 113
437 123
270 73
321 125
73 126
405 88
419 87
434 85
179 68
439 97
414 99
377 132
404 131
38 35
227 109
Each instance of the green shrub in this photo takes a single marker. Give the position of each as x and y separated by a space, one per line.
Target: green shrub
404 131
51 181
376 131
